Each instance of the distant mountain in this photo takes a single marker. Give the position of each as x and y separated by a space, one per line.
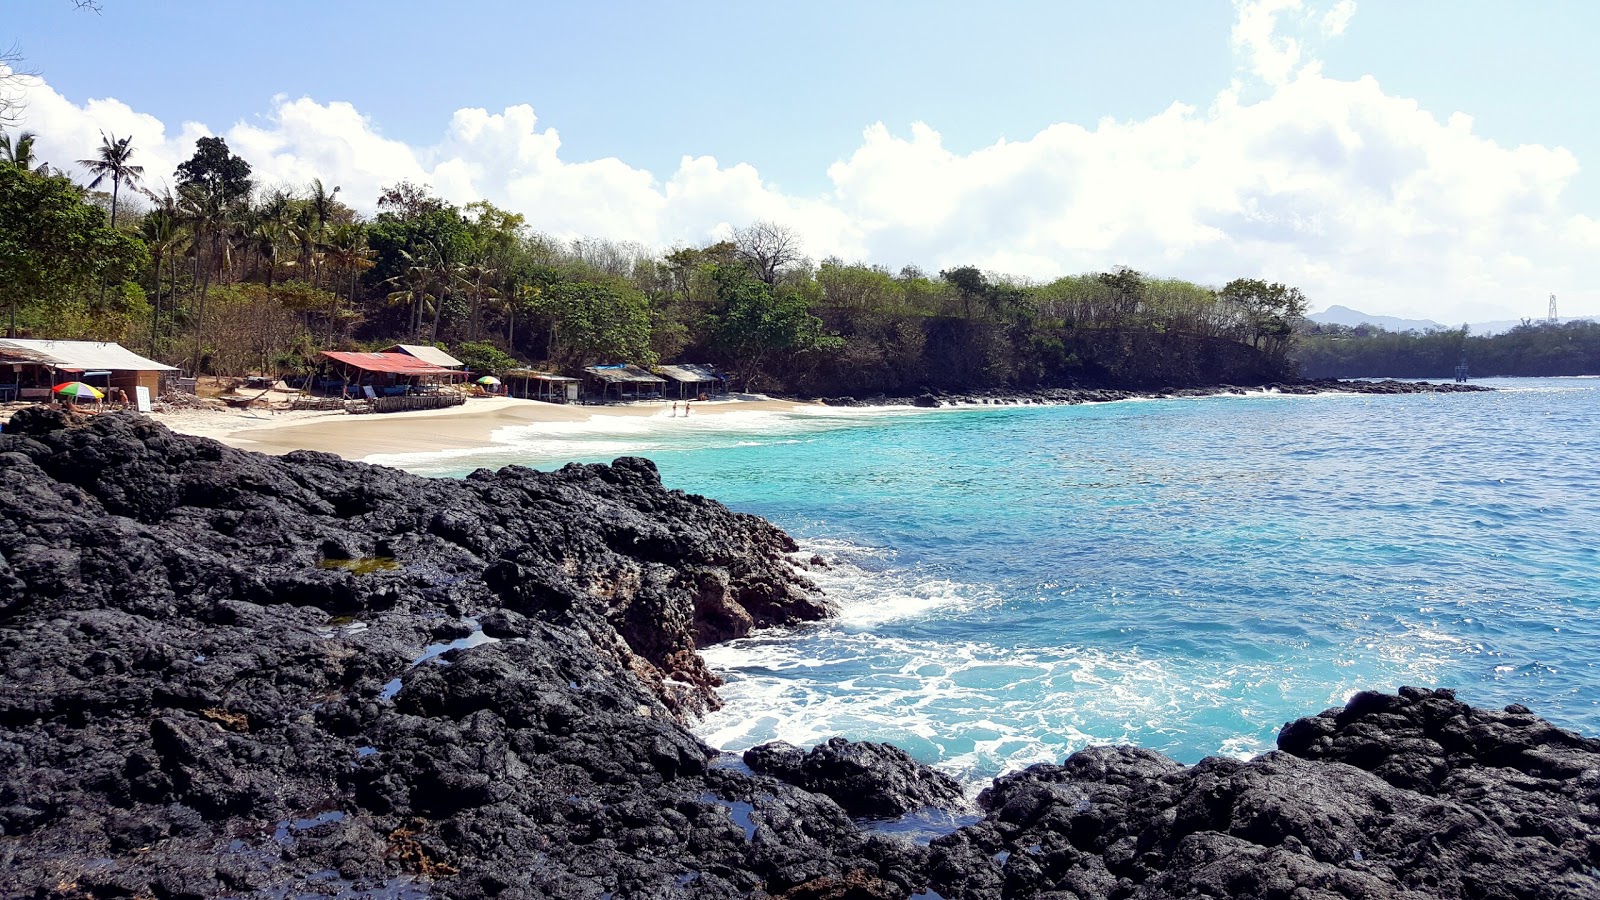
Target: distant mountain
1344 315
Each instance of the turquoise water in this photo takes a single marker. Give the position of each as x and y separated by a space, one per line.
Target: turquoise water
1186 575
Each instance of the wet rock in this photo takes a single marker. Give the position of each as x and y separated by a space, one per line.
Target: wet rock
1414 795
867 779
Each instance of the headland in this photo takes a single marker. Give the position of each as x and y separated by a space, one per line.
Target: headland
233 674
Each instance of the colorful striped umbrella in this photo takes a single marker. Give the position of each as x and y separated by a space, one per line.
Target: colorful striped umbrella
76 389
488 379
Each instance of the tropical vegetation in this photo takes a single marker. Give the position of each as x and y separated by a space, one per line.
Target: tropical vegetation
222 274
1533 349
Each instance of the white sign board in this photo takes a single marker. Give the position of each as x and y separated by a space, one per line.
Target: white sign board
141 398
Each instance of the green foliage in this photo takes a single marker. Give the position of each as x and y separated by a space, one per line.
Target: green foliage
753 322
1271 310
221 172
481 356
593 322
1530 349
55 251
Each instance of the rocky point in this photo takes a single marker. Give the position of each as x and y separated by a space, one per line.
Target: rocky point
233 675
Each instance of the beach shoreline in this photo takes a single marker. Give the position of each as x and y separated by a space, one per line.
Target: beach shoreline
476 424
470 426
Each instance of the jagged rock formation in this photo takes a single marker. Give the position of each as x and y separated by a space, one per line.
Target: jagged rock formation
867 779
231 675
1410 796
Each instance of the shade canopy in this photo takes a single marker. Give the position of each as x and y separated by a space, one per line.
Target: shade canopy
393 363
78 389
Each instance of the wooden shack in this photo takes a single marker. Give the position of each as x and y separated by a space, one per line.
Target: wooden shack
531 384
693 380
622 378
30 367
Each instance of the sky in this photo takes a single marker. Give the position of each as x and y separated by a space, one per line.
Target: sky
1426 159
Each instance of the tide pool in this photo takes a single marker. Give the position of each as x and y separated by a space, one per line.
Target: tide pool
1187 575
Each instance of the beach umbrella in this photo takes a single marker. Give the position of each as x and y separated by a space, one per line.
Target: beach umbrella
76 389
488 379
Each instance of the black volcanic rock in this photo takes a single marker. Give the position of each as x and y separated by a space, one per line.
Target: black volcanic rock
867 779
230 675
1408 796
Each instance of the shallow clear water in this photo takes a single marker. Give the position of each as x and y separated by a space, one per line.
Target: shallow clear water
1186 575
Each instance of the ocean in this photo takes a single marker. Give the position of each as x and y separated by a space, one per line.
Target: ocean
1016 583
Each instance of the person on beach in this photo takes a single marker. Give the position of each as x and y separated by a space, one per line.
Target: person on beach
674 409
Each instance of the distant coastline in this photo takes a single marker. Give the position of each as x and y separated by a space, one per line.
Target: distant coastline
474 425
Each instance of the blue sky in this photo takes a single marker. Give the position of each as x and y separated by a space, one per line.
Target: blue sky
780 97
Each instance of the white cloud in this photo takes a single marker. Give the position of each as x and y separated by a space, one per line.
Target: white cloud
1337 19
1356 195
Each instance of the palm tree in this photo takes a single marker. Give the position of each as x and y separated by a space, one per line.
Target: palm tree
113 163
474 278
163 235
347 250
19 152
412 287
206 211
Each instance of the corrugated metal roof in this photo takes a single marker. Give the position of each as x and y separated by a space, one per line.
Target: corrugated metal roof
624 373
80 355
427 354
689 373
396 363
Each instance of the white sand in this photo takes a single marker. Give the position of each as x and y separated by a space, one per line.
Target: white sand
464 427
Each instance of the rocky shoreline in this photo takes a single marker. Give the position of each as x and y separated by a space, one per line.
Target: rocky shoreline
233 675
1068 396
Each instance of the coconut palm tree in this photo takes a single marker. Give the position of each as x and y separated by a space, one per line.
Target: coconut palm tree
348 252
413 286
18 151
162 232
112 163
208 213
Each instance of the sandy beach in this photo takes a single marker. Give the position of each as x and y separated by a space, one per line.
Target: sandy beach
464 427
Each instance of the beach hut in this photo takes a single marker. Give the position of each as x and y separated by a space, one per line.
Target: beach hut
693 380
531 384
30 366
623 377
431 355
389 374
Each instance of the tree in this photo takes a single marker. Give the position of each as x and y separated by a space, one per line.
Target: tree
769 249
224 174
1272 311
18 151
969 284
348 252
54 245
409 200
595 322
112 162
753 322
481 356
163 236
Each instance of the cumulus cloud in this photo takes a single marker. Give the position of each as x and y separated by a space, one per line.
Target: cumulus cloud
1358 196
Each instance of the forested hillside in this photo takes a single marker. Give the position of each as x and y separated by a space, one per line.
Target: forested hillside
1531 349
224 275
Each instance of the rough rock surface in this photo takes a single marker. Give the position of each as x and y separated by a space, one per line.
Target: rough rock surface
1408 796
215 685
867 779
230 675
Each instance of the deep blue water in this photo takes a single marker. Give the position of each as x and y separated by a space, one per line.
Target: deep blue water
1186 575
